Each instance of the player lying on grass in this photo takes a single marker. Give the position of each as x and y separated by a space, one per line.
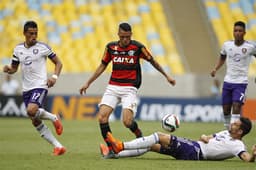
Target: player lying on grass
219 146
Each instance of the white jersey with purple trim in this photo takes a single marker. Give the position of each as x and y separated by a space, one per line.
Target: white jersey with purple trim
33 64
237 61
222 146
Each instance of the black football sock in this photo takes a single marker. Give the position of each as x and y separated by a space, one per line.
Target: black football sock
135 129
104 128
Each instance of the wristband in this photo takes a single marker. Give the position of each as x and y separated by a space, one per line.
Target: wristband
55 76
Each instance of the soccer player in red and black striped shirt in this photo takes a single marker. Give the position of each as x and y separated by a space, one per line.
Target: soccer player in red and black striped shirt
124 82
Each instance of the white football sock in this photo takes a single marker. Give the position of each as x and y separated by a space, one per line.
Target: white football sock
234 117
227 121
47 135
43 114
143 142
130 153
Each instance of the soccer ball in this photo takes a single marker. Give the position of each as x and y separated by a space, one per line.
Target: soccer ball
170 122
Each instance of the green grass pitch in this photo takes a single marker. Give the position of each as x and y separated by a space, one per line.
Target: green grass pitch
21 148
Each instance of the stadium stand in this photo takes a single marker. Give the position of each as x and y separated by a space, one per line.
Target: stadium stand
79 29
223 13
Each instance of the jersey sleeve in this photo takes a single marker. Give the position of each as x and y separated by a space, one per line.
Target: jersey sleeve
239 149
254 50
15 58
223 50
146 54
47 51
106 56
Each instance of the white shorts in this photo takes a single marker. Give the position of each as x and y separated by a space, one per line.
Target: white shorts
124 95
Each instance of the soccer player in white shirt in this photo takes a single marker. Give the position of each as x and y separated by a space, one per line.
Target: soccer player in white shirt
219 146
237 54
32 55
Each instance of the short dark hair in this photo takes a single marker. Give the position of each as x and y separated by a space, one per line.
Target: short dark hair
29 24
125 26
240 23
246 125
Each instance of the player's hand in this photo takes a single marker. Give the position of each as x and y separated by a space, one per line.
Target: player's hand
83 89
213 73
171 81
6 69
51 81
204 138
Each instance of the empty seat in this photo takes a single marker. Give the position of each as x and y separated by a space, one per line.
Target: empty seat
80 29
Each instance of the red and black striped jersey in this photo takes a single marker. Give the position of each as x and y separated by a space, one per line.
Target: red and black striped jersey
126 70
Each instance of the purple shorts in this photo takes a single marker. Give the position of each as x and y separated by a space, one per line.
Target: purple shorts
183 149
233 93
36 96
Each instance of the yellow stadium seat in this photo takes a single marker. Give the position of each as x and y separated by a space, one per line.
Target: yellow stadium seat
252 69
238 15
147 18
227 19
220 31
210 3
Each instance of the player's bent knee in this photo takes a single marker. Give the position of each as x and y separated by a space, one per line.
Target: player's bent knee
32 110
31 113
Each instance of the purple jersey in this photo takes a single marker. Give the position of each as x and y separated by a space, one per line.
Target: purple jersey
183 149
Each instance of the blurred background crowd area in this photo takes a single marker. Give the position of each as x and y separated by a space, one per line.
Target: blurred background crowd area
78 30
184 36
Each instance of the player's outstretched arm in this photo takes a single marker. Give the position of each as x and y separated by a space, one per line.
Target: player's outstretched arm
101 68
247 157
